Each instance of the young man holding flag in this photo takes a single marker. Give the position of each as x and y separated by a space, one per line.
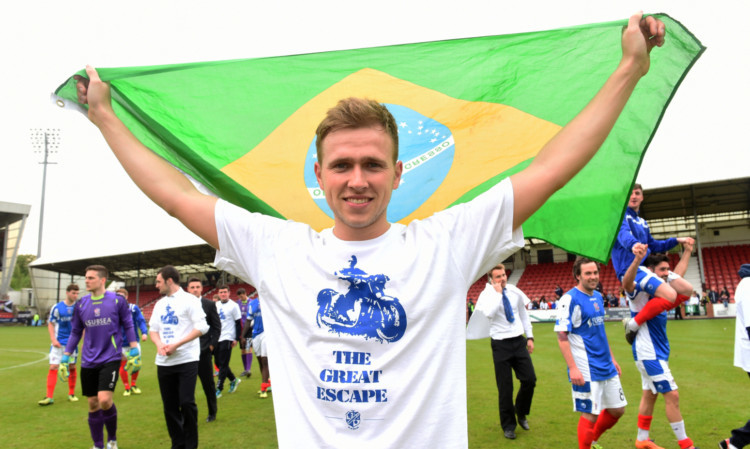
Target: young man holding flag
351 303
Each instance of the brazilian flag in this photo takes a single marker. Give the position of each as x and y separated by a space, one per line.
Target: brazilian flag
470 113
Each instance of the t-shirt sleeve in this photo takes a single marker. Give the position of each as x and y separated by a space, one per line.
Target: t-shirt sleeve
154 324
481 230
198 317
236 312
245 239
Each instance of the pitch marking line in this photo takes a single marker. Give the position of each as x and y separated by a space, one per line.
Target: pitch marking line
46 357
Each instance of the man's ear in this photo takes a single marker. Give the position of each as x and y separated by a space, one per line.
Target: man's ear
318 170
399 169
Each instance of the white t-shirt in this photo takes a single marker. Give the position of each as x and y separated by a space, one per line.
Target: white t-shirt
173 317
378 360
741 341
229 313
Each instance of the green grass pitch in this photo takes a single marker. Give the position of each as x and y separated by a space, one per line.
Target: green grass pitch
714 397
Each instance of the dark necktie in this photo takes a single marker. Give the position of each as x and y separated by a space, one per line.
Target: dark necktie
508 308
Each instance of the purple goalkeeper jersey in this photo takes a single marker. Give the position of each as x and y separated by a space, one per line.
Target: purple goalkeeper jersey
102 319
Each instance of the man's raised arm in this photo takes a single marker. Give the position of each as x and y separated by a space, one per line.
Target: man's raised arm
158 179
687 250
628 279
574 146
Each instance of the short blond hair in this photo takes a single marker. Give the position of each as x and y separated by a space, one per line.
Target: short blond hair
354 113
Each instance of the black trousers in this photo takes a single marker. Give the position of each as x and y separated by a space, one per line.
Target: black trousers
511 355
206 375
223 354
177 386
741 437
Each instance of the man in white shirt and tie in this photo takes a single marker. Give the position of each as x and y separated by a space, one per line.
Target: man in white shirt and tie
503 305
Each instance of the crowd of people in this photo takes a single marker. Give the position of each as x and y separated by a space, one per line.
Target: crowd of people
180 317
592 369
189 331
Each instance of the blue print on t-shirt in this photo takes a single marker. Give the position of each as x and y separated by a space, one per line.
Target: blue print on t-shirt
170 317
364 309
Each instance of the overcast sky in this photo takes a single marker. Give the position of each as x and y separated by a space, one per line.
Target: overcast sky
92 208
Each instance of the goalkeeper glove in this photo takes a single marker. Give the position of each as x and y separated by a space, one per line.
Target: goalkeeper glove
134 361
63 371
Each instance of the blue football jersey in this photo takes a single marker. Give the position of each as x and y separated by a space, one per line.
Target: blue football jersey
253 312
582 317
61 316
651 341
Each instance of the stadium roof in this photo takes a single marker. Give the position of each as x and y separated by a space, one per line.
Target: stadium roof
12 212
717 197
187 259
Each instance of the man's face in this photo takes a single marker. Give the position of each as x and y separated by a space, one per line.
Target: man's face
499 277
224 295
195 288
662 270
358 177
71 296
93 281
589 277
162 285
636 198
242 296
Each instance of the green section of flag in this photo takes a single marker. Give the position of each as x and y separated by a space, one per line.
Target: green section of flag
203 116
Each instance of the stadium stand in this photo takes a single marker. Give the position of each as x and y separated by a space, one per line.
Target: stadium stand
475 289
147 309
146 294
720 264
716 213
540 279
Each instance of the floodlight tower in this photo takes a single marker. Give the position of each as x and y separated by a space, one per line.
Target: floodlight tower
48 142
